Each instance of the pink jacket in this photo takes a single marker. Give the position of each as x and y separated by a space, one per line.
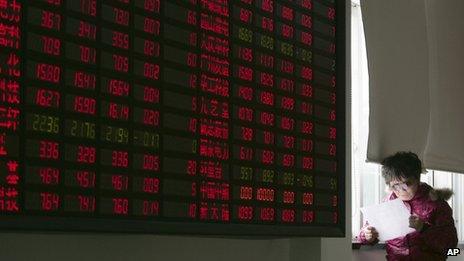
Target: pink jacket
438 234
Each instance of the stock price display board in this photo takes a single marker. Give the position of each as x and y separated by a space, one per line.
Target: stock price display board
173 116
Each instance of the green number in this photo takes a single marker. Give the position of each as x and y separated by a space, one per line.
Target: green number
307 181
46 123
43 123
289 178
74 128
287 49
35 122
333 184
150 139
147 141
108 133
90 130
268 175
54 125
122 135
245 34
156 141
306 55
246 173
267 42
194 146
83 129
114 134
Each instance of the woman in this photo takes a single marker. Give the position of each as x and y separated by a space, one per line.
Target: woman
431 216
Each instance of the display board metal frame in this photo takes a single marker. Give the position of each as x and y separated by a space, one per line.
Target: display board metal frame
44 222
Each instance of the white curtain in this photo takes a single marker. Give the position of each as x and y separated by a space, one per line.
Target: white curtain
416 77
364 176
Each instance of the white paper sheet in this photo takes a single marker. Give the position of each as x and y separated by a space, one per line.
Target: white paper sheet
390 219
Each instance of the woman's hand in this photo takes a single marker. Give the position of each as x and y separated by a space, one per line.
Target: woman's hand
416 223
371 234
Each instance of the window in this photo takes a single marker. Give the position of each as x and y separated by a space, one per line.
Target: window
368 186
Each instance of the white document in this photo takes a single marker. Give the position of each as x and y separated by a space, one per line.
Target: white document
390 219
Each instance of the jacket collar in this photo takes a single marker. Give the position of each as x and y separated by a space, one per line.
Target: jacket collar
422 191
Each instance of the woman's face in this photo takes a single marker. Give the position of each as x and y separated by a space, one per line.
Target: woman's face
404 189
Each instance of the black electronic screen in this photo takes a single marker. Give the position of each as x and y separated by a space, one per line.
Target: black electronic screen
160 116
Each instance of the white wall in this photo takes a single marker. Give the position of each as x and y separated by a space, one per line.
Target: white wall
373 254
115 247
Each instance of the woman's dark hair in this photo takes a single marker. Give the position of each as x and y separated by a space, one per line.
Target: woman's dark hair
401 165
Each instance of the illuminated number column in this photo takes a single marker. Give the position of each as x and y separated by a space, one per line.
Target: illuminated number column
324 80
243 116
81 105
116 159
44 97
146 182
265 115
180 122
10 100
304 109
285 103
213 111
